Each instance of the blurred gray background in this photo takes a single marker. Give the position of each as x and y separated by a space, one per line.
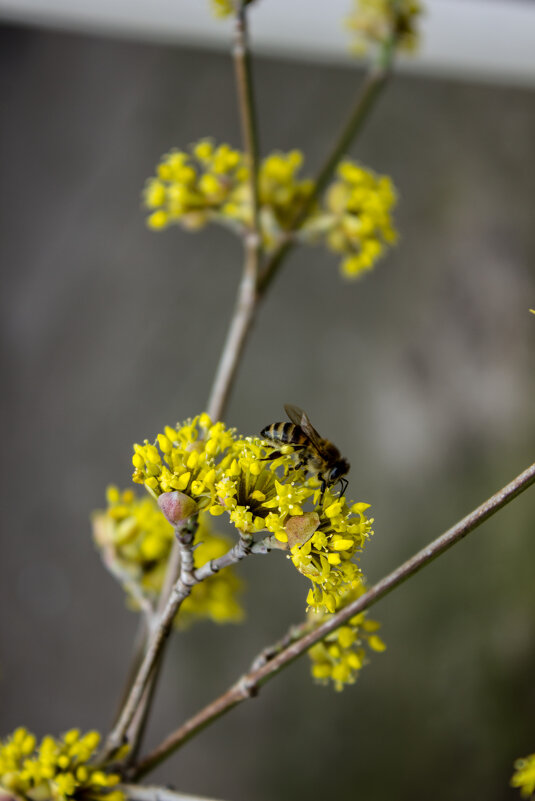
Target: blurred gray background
423 374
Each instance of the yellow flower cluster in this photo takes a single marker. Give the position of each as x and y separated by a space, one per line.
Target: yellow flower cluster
524 776
384 21
358 221
56 769
195 188
225 474
212 184
183 458
337 534
340 655
135 540
280 193
253 495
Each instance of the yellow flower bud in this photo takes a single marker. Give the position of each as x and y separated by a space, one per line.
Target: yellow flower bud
157 220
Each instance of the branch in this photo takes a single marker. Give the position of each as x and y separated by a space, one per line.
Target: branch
248 685
157 639
248 297
139 721
244 85
244 547
373 84
293 634
242 320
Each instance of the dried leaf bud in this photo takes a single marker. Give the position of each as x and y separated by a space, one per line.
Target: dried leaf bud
177 506
300 528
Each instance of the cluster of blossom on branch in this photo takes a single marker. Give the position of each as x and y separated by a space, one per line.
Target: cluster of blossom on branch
55 770
225 474
216 472
211 184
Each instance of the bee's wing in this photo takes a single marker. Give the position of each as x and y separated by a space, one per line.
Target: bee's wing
295 414
301 419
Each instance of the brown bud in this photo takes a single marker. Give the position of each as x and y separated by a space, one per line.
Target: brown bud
300 528
177 506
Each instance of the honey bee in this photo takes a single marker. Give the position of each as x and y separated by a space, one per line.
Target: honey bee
316 454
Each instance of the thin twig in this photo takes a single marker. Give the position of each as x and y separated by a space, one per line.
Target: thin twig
246 103
373 84
157 639
249 683
139 721
137 656
244 547
293 634
242 320
130 584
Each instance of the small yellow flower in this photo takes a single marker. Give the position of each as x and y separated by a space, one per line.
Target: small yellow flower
340 655
524 776
56 770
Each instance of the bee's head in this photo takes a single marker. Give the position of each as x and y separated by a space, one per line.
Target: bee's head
339 469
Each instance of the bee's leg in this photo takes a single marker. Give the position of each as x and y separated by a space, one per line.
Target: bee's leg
272 455
276 454
323 486
301 462
344 484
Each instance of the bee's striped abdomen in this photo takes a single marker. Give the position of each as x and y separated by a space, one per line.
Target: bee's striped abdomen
284 432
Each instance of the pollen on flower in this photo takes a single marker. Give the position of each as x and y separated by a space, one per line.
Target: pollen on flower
381 22
524 776
340 656
56 770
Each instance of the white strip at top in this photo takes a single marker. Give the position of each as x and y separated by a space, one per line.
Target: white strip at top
466 39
